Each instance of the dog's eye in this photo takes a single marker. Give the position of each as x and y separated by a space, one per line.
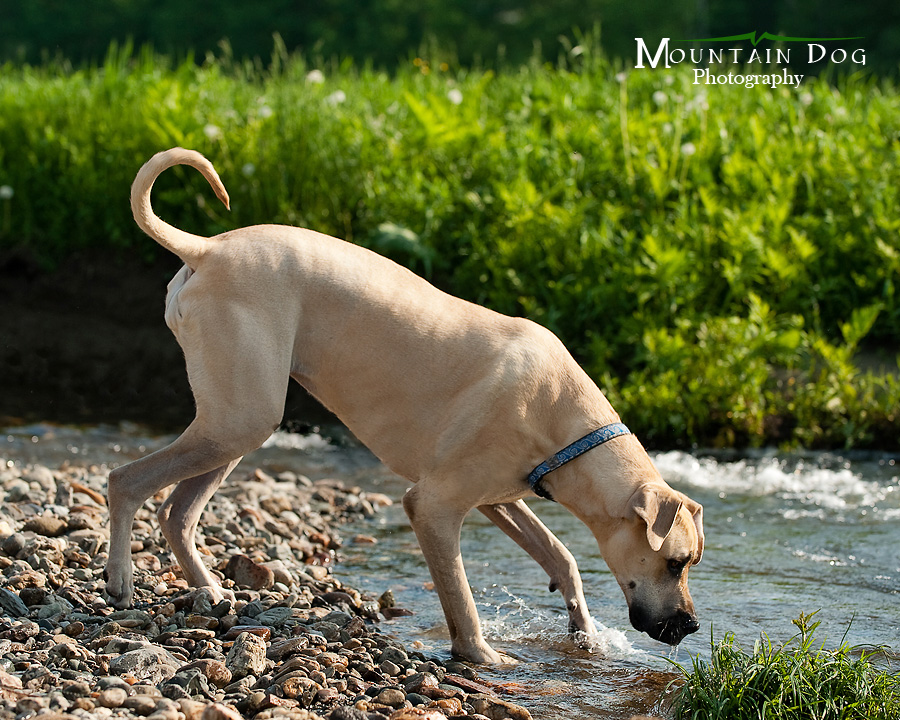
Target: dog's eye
676 566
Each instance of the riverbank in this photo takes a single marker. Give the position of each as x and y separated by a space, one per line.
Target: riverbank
296 643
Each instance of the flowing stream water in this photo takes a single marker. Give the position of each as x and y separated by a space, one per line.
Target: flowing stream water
785 535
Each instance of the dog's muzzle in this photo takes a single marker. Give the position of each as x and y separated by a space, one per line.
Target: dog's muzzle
671 631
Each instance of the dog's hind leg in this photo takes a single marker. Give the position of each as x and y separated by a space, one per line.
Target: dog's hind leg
178 518
523 526
239 372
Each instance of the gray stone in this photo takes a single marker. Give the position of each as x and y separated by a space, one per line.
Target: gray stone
54 607
112 697
394 655
141 704
276 616
150 663
11 605
46 525
391 696
247 656
42 476
112 681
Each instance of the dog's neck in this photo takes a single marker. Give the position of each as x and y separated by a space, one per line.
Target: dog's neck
597 486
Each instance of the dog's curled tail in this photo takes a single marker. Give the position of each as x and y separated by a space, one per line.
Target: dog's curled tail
185 245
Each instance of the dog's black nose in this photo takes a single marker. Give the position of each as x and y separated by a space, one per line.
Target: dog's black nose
674 629
671 631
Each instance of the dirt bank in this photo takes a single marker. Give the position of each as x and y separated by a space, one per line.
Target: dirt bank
87 343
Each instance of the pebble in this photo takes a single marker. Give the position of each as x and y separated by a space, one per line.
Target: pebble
247 573
292 643
247 655
150 662
112 697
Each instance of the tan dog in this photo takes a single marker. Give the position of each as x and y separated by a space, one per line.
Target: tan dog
460 400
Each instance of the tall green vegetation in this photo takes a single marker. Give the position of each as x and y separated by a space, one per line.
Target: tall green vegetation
718 258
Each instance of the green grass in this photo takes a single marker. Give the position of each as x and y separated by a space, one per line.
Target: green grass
799 680
716 258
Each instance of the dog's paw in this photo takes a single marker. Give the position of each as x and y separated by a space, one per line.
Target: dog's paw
215 594
581 628
483 654
119 589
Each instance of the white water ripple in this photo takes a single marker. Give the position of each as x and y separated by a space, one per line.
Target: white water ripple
514 619
816 488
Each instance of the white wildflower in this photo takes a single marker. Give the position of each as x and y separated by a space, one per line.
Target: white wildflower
660 98
510 17
336 98
6 192
621 77
213 132
266 112
806 98
688 149
248 169
455 96
315 77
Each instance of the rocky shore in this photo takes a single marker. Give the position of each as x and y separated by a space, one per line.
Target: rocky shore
296 643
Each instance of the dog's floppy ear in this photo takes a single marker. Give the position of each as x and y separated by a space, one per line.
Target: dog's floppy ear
656 505
696 511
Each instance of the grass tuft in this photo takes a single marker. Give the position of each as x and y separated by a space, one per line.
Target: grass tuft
798 680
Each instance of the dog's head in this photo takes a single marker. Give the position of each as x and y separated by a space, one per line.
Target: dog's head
656 539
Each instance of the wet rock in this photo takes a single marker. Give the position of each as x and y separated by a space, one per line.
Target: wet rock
422 683
386 599
497 709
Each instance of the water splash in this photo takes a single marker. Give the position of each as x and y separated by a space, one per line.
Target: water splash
511 618
292 441
813 488
609 643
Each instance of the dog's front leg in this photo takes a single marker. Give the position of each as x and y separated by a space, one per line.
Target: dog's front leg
523 526
437 524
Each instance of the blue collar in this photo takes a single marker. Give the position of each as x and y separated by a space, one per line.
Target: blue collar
579 447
